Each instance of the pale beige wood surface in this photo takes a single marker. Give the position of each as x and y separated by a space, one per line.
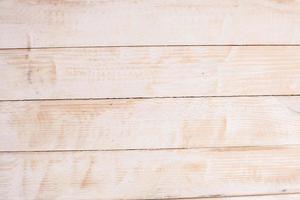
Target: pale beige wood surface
149 72
103 120
48 23
149 123
149 174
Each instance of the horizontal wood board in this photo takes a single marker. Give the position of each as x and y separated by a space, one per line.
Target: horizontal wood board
150 174
48 23
149 72
149 123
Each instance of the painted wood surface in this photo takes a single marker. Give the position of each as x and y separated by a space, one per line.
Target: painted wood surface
149 123
149 174
149 99
149 72
48 23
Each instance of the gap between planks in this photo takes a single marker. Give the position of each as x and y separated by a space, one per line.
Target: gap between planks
224 148
229 197
158 97
142 46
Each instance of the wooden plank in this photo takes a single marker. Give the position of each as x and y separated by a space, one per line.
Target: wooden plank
149 174
264 197
149 123
149 72
49 23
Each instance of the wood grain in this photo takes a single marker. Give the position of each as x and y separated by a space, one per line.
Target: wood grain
48 23
149 123
149 174
149 72
149 99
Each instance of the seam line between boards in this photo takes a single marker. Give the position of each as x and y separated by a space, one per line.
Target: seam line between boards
142 46
157 97
222 196
257 147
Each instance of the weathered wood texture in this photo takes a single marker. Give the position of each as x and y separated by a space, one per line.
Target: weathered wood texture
149 72
149 174
147 146
149 123
48 23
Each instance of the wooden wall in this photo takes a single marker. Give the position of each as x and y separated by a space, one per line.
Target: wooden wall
149 99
